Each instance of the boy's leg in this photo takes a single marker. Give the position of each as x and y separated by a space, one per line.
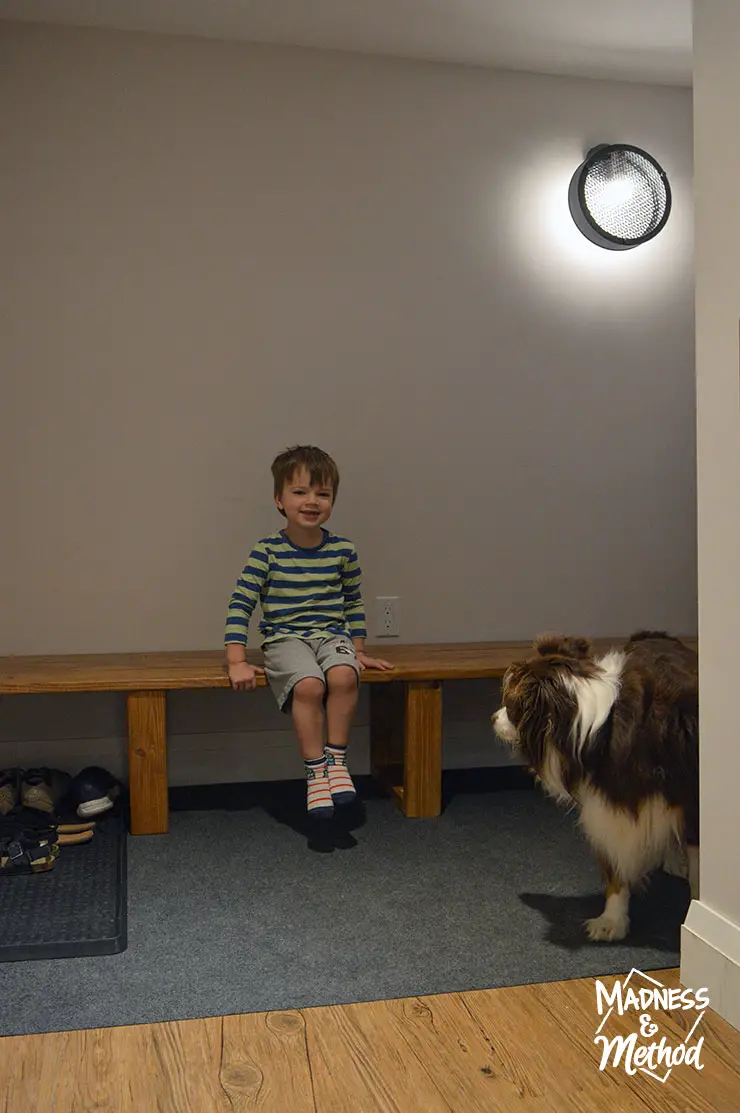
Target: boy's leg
307 709
298 682
339 661
341 701
308 719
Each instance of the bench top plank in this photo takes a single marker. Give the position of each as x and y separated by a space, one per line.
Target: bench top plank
169 671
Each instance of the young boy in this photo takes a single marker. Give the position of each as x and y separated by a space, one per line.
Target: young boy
307 580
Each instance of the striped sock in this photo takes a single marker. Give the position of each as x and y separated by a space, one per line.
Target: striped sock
318 794
340 782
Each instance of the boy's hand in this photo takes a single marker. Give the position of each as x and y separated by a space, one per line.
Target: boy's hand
243 676
366 662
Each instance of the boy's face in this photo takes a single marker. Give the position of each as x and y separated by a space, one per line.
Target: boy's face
306 506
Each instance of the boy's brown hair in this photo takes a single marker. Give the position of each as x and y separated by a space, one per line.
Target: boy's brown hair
319 465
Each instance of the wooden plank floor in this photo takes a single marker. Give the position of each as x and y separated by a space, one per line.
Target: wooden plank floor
527 1049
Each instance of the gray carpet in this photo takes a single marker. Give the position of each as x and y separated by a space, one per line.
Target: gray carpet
241 911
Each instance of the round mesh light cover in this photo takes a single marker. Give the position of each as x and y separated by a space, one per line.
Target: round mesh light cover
619 197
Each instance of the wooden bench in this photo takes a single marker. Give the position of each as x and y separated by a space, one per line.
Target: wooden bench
405 709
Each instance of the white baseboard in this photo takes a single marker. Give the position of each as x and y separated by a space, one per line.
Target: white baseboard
710 958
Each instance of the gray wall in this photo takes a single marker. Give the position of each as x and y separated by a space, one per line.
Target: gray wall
219 736
217 250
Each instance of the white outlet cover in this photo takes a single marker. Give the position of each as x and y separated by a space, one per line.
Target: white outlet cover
387 620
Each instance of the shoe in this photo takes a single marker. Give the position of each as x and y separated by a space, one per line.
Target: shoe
31 827
27 852
39 824
10 789
28 842
42 789
93 791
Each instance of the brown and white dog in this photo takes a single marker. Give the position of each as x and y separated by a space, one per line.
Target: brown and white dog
617 737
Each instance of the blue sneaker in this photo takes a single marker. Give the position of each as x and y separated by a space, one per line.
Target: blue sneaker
93 791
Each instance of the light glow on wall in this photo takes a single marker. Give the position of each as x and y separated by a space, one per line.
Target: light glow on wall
549 251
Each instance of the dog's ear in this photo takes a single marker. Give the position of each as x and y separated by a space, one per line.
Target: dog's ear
549 645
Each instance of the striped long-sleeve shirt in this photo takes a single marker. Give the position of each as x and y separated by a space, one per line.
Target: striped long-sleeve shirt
303 593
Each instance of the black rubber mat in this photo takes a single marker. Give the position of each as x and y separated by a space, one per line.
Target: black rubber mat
77 908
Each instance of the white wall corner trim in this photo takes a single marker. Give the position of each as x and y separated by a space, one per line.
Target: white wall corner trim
710 958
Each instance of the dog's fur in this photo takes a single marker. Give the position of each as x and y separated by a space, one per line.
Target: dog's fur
616 737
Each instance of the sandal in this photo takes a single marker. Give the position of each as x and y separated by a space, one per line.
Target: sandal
25 854
41 826
67 834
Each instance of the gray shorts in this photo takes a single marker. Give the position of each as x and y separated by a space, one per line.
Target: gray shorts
292 659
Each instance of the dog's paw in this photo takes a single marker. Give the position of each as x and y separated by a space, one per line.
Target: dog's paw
607 928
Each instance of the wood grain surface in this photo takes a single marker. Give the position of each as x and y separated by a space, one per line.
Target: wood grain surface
527 1049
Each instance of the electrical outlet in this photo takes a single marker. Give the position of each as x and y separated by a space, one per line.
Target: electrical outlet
388 624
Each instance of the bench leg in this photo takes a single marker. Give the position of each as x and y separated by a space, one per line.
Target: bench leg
387 718
147 762
406 743
422 764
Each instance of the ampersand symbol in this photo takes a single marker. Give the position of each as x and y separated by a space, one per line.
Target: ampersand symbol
647 1028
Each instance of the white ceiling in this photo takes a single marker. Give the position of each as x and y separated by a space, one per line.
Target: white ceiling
635 40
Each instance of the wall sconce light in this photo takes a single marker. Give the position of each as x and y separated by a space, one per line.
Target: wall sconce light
619 196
